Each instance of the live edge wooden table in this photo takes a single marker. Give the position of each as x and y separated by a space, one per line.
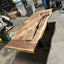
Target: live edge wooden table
28 35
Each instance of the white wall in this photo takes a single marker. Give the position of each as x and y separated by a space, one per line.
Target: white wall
39 2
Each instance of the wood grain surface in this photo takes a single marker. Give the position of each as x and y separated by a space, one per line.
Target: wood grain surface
28 35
